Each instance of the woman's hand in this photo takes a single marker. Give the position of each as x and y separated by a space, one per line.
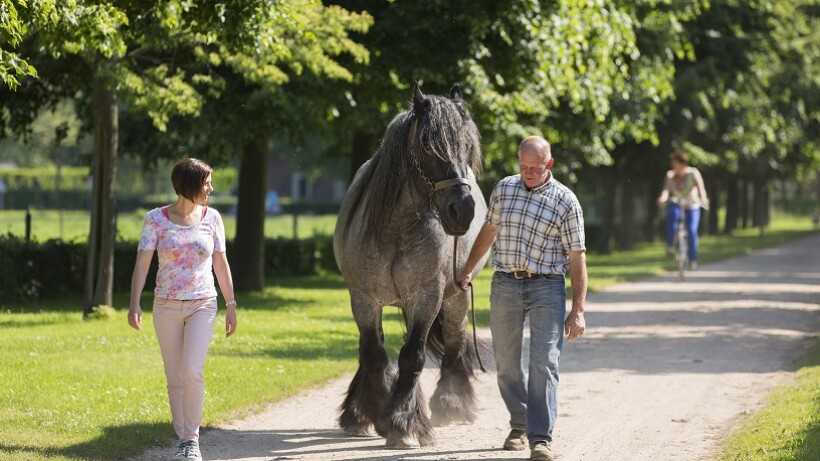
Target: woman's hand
135 317
230 321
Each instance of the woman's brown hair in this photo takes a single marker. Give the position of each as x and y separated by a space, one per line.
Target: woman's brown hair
680 157
188 177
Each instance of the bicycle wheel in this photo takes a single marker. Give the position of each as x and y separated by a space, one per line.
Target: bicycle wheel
681 253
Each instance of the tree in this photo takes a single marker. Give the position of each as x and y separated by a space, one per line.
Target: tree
157 58
747 103
570 70
12 66
246 112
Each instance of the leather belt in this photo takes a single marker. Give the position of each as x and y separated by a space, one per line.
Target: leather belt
520 275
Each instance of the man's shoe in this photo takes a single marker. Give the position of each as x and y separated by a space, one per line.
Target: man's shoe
516 441
540 451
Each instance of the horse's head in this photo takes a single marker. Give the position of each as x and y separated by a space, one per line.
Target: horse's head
445 147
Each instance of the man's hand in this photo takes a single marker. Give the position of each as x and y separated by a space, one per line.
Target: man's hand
463 280
575 325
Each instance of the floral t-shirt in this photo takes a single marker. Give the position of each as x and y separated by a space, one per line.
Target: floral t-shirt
685 186
185 254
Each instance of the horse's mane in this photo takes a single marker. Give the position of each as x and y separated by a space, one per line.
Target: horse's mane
433 125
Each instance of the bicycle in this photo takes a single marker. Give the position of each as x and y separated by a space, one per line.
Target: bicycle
681 241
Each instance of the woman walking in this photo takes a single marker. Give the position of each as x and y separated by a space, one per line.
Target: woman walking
189 238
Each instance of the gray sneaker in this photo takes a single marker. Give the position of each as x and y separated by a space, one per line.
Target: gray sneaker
192 452
180 454
516 441
540 451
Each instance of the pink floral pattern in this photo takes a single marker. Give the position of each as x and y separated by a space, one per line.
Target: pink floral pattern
185 254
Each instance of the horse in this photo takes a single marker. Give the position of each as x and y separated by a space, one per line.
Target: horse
393 243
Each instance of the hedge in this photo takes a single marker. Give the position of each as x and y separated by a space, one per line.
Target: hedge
43 199
31 270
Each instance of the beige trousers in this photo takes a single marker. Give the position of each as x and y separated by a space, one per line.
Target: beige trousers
184 330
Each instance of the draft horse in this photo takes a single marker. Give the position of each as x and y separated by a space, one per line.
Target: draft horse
394 245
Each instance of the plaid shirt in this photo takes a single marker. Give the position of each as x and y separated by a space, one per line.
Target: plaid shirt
537 228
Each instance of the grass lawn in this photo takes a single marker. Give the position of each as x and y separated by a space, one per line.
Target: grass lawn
45 225
94 390
74 389
788 428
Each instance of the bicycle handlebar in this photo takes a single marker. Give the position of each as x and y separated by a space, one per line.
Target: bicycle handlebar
682 202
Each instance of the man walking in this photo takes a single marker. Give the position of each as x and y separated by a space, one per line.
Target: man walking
537 226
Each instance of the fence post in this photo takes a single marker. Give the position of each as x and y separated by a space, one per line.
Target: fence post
28 225
295 223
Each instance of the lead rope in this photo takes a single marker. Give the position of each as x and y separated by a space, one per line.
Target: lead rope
472 302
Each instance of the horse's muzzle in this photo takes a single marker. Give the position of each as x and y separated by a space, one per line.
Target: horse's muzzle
457 215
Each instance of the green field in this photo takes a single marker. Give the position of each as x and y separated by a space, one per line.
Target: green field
74 389
73 225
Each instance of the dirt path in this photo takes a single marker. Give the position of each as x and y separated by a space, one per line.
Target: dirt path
664 372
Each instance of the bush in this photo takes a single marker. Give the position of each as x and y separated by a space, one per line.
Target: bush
29 270
34 270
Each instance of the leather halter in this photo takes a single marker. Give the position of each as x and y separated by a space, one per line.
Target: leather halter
444 184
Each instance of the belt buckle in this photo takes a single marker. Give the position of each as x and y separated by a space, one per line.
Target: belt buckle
522 277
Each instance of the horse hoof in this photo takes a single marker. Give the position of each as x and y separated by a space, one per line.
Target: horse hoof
361 430
406 442
461 419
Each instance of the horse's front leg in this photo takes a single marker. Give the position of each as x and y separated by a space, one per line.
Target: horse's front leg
370 387
454 399
405 418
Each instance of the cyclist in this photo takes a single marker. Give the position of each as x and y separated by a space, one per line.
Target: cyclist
684 194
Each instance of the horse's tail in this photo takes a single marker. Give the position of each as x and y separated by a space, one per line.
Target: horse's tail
468 357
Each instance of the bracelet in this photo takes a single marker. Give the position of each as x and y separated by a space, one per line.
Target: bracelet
230 303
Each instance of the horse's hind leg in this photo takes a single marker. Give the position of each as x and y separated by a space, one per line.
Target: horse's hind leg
368 391
454 399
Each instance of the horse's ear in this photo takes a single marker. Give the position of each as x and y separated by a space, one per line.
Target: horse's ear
420 104
455 93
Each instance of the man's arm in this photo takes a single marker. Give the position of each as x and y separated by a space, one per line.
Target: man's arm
575 324
483 242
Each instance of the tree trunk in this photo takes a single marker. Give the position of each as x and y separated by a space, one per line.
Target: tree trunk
714 204
731 205
744 203
650 228
249 245
99 276
760 205
607 210
626 231
364 145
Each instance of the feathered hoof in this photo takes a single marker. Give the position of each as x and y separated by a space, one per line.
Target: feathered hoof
451 410
361 430
402 442
449 420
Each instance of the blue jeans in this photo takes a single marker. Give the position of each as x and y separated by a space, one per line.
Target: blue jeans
692 222
532 402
